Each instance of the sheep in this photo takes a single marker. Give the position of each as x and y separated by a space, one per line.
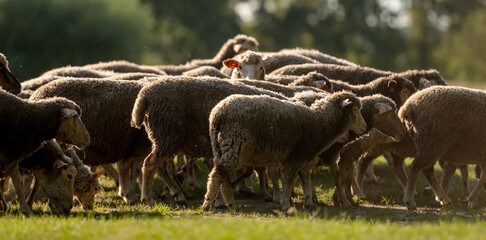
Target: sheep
27 124
233 46
249 65
379 112
319 56
431 117
131 76
54 174
287 91
362 75
395 87
279 60
7 80
181 104
108 106
122 66
264 131
312 79
205 71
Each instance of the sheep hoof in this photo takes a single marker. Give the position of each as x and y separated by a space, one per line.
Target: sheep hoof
148 201
411 206
206 206
231 207
444 202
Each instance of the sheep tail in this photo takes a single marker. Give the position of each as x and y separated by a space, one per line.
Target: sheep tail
139 111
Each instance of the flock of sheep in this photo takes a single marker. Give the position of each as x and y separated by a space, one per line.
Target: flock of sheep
278 114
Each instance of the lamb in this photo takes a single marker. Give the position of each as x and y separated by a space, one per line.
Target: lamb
233 46
431 117
362 75
123 66
279 60
319 56
113 140
27 124
181 104
54 174
264 131
7 80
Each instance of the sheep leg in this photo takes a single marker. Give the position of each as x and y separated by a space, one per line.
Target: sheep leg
465 180
343 200
287 176
148 170
3 203
397 166
175 191
370 174
126 182
263 179
4 184
363 164
307 188
273 173
409 196
227 194
170 170
448 171
27 179
215 181
473 197
19 189
241 186
440 194
33 193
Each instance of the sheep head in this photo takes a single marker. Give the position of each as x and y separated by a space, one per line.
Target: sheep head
386 120
72 129
57 182
7 79
249 65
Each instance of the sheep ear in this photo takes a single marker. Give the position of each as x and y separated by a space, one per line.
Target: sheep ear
59 164
231 63
392 84
67 112
424 83
346 102
320 84
381 108
96 174
237 47
268 60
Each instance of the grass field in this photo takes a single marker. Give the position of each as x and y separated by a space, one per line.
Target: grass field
381 216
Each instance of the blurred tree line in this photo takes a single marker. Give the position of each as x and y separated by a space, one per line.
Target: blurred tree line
396 35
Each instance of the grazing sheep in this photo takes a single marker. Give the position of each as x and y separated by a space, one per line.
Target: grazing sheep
107 105
7 80
175 115
378 112
362 75
318 56
27 124
205 71
278 60
123 66
233 46
432 117
54 174
262 131
86 183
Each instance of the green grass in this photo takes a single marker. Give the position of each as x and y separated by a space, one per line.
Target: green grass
381 216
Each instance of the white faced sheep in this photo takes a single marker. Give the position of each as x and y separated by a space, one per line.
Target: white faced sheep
249 65
54 174
432 117
113 140
175 112
7 80
233 46
262 131
362 75
27 124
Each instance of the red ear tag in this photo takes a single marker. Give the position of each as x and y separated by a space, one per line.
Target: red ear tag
151 160
230 63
